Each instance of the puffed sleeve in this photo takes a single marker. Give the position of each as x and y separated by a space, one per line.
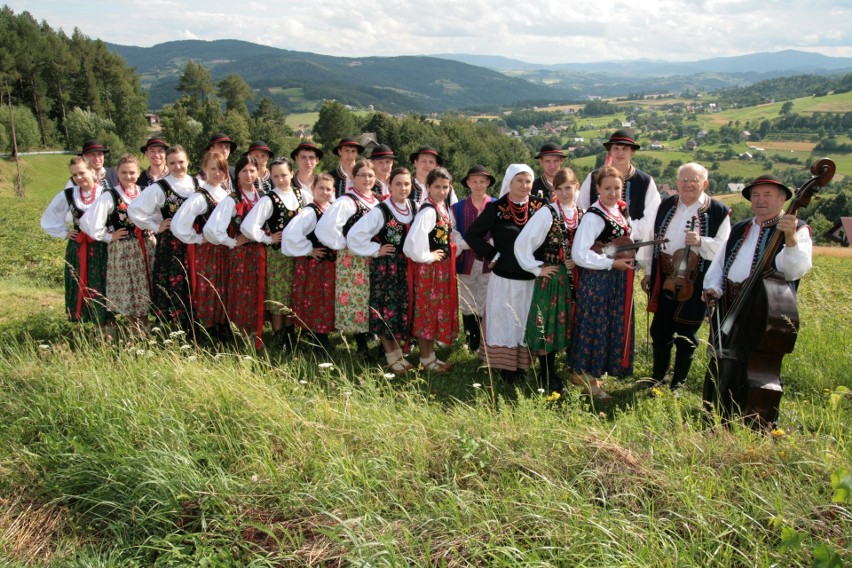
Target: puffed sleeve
713 278
416 245
294 241
144 211
182 222
216 228
531 238
359 240
53 219
252 226
93 221
329 229
795 262
590 227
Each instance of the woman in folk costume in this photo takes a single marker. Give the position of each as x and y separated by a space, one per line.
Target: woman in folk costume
314 277
352 306
510 287
471 270
246 260
265 224
544 249
207 263
131 250
85 259
603 341
95 153
153 211
430 247
380 235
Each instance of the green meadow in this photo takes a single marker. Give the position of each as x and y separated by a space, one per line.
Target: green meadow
152 451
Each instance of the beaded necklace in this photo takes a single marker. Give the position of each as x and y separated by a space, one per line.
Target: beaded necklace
520 212
399 210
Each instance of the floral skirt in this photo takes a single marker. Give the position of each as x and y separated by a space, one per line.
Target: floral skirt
279 281
246 272
128 284
353 293
211 277
549 321
599 340
170 280
436 301
313 294
92 308
389 296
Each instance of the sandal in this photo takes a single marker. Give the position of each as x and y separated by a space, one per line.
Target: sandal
436 366
400 366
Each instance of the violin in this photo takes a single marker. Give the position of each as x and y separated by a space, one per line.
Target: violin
623 247
680 283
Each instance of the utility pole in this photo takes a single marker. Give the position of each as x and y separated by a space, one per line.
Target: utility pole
19 183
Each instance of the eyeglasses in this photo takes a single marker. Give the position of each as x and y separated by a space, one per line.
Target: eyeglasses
690 180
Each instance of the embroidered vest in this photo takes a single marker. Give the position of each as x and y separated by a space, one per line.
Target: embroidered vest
330 255
281 216
612 230
439 237
393 232
118 219
201 219
76 213
360 211
173 200
635 188
557 244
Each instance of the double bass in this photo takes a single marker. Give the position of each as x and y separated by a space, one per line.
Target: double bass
759 327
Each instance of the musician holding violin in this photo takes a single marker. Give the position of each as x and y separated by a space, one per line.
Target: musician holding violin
754 278
696 227
603 340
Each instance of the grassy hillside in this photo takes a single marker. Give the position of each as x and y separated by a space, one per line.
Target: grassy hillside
151 452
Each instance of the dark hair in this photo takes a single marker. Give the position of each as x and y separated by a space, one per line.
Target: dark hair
281 161
608 171
80 160
244 161
564 175
360 165
438 173
398 172
322 177
175 149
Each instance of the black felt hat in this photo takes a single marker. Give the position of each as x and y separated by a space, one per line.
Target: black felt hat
550 149
479 170
766 180
427 150
306 146
382 152
347 142
260 145
93 145
221 137
623 136
153 141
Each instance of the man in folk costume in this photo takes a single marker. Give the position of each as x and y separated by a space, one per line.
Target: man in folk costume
726 386
425 159
550 156
155 150
640 191
698 227
382 158
221 143
306 156
348 150
94 152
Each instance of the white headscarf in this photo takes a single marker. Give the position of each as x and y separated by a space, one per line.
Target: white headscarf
511 172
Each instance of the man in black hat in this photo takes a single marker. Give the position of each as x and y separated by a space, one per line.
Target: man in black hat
550 157
698 227
725 386
347 150
94 152
306 156
155 150
382 158
260 151
640 192
425 159
221 143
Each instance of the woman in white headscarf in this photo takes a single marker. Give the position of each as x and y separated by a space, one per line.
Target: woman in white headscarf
510 287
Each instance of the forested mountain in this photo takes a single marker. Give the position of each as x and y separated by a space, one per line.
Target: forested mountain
393 84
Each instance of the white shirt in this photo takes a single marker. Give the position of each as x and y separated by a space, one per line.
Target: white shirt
424 193
252 226
216 228
793 262
532 237
144 211
294 241
416 245
360 238
640 229
57 219
93 221
676 233
329 229
196 205
590 227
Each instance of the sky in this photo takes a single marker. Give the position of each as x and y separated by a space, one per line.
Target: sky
543 32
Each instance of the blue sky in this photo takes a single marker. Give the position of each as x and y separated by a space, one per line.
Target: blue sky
544 31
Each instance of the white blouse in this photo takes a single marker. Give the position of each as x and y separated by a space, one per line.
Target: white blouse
144 211
294 241
93 221
532 236
640 229
359 240
252 226
56 219
216 228
193 207
590 227
416 245
329 229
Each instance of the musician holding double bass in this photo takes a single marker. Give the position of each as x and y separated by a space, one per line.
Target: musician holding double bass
696 227
744 372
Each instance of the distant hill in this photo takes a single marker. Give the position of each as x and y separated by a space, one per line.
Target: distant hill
394 84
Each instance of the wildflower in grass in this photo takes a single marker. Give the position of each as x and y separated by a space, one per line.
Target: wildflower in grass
44 347
140 352
477 385
156 330
782 454
657 392
326 365
554 396
303 382
389 375
778 433
177 333
192 358
540 391
186 346
247 358
168 341
254 478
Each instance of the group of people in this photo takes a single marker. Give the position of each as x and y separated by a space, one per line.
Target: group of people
546 266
